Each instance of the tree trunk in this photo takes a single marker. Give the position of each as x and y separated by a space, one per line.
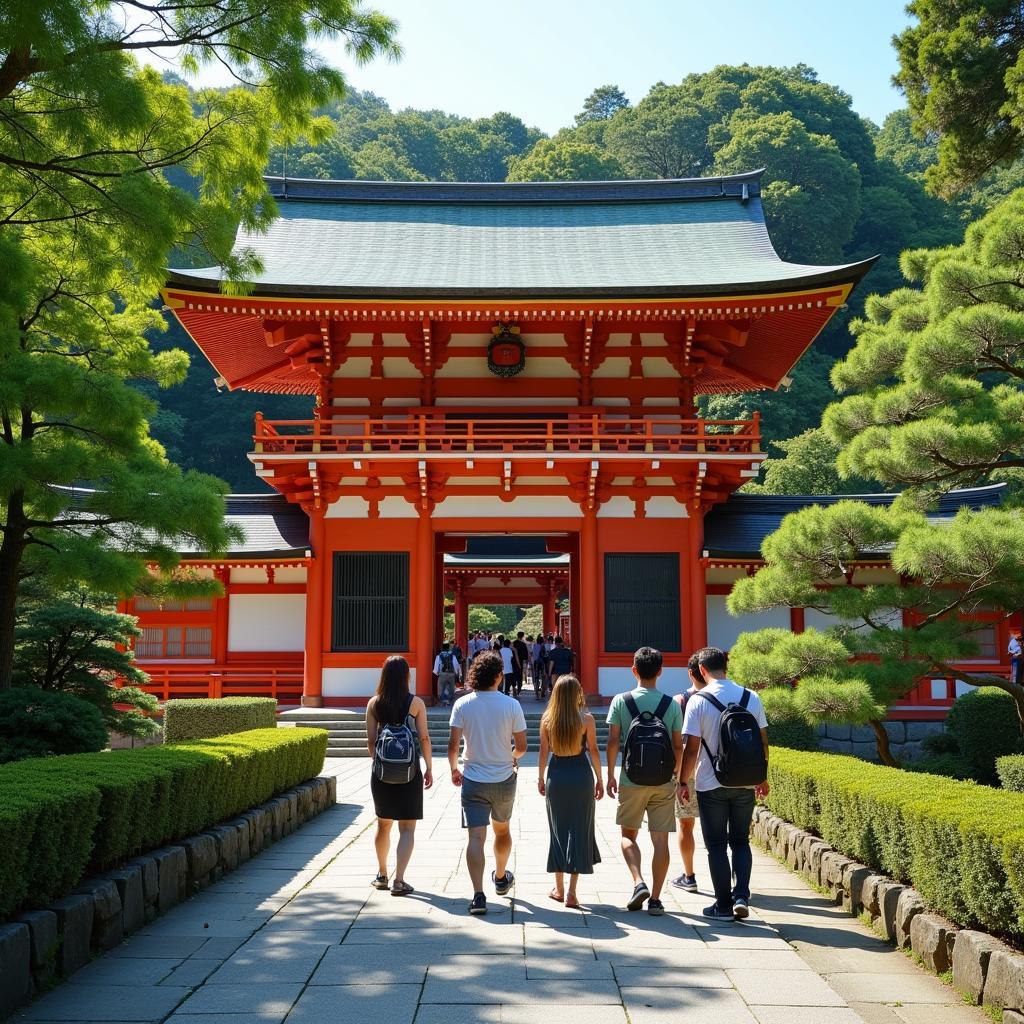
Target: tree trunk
12 549
882 741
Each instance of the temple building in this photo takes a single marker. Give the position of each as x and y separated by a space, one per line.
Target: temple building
506 380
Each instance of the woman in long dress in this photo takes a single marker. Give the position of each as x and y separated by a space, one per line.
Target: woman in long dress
393 704
571 786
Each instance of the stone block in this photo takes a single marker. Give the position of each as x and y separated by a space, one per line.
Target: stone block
928 939
44 946
226 840
837 732
201 851
15 966
133 904
242 840
107 920
897 731
854 877
292 819
1004 983
1012 1017
833 864
866 751
835 746
172 876
74 928
869 894
862 734
150 879
305 795
971 953
917 731
332 791
278 808
909 906
888 899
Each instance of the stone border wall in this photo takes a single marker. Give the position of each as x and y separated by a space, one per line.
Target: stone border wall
986 971
42 946
905 738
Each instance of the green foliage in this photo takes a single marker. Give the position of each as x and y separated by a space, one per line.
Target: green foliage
807 466
960 68
948 763
562 159
61 817
985 726
602 104
38 723
960 845
532 621
788 725
74 644
1010 769
200 719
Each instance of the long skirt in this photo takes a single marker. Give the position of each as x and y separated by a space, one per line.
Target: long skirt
570 803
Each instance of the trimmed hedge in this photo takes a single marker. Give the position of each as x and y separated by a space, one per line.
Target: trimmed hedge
217 716
959 844
1011 772
63 817
985 726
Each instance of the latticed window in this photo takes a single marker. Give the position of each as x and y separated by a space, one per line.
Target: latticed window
188 604
641 601
371 601
175 642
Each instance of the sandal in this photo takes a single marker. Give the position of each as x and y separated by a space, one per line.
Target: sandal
553 895
401 889
573 905
380 882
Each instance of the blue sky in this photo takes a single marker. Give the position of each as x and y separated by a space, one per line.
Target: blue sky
540 58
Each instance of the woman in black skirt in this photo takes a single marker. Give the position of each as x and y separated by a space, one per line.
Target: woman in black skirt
572 785
393 704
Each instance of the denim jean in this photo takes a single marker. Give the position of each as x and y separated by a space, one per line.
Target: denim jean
725 816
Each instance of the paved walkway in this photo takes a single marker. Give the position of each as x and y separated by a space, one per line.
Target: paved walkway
297 935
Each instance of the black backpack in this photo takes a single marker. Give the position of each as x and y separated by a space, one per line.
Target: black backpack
396 756
740 760
648 757
447 661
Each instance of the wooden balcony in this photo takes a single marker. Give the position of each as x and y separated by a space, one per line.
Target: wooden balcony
447 433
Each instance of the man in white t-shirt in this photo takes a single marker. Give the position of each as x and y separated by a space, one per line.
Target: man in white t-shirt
725 812
494 728
448 672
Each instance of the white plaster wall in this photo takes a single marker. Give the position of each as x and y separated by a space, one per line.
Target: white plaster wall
290 574
249 575
618 679
350 506
356 682
724 629
267 622
661 506
489 507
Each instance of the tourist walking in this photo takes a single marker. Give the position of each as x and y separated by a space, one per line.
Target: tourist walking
561 659
396 737
570 785
540 668
522 653
727 740
448 670
647 724
494 728
508 666
687 811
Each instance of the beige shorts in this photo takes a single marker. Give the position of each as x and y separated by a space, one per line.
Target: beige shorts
688 810
657 802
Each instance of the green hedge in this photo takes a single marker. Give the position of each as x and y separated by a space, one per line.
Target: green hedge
63 817
959 844
1011 772
203 719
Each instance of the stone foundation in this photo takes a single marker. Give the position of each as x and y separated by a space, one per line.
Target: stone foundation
985 970
43 945
906 739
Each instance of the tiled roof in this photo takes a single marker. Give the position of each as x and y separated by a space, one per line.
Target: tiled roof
738 526
690 236
272 526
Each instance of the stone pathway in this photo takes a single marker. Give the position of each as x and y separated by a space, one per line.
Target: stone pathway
297 935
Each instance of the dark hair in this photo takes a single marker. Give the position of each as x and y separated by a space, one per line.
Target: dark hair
648 662
445 646
505 642
558 640
485 671
392 690
711 658
693 667
520 635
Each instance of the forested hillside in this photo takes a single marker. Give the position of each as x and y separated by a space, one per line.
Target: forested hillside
838 188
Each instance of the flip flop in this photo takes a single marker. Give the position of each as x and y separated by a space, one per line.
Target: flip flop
401 889
553 895
575 905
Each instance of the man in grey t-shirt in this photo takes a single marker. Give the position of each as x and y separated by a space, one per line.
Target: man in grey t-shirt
725 812
494 728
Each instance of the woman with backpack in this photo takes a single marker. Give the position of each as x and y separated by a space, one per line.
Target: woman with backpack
396 736
571 787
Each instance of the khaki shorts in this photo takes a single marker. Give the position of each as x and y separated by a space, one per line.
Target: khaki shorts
656 801
689 810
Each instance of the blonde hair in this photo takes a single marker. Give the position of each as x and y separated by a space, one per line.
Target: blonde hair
563 717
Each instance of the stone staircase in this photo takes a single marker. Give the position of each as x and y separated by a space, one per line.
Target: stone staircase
346 730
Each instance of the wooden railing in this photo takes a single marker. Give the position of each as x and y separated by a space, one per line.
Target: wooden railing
443 433
282 682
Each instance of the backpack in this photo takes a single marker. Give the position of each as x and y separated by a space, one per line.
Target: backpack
740 760
648 757
396 754
447 662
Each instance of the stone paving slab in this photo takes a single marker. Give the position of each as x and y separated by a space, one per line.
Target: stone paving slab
298 936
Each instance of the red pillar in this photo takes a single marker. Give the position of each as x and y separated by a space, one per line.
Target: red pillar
220 618
589 595
312 668
697 590
550 613
422 609
461 617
